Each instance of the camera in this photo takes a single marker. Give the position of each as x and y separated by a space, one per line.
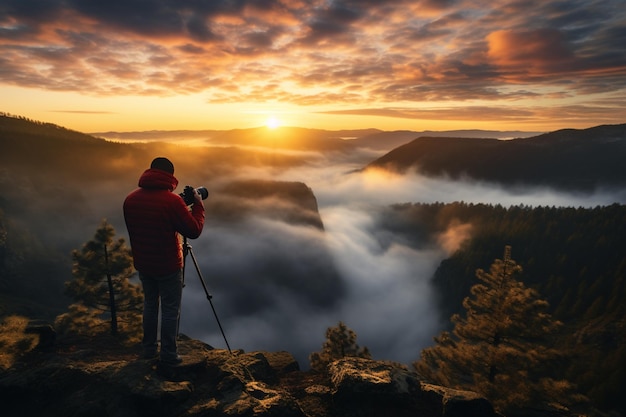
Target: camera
188 194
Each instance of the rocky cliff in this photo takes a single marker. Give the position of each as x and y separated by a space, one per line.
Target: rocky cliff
103 378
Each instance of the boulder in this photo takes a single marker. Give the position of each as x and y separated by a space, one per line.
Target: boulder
99 379
368 388
456 403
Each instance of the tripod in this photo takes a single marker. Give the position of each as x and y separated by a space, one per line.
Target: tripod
187 250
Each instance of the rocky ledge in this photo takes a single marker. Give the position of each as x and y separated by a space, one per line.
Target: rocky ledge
93 380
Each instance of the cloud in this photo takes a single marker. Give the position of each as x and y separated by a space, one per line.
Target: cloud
536 51
380 293
446 113
156 18
347 53
605 110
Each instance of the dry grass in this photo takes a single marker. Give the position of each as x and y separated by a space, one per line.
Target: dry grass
14 342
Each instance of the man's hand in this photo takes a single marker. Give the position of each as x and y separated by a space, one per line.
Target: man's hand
197 196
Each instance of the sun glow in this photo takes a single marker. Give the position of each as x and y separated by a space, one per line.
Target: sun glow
272 122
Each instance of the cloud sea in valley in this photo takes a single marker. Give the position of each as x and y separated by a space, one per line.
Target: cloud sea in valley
273 289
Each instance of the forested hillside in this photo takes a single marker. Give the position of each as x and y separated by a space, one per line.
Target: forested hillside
30 148
574 257
571 159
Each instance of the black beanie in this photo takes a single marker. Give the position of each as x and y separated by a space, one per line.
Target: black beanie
163 164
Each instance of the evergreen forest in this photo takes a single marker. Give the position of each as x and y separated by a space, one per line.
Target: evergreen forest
573 257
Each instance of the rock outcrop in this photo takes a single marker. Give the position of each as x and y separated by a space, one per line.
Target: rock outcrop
92 381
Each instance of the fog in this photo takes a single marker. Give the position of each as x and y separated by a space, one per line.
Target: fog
272 287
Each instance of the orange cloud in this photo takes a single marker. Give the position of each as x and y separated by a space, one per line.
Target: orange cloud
541 50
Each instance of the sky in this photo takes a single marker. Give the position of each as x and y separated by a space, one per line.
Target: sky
134 65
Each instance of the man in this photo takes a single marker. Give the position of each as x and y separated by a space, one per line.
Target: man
155 217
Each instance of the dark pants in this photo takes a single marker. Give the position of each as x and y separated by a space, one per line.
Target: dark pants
168 291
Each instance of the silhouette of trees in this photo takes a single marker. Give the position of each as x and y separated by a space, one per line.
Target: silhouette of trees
502 345
101 287
340 343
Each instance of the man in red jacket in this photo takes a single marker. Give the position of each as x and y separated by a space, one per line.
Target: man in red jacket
155 218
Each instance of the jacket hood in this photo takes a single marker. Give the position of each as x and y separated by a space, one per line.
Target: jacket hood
157 179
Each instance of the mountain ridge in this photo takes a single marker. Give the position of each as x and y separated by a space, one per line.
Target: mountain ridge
367 138
568 158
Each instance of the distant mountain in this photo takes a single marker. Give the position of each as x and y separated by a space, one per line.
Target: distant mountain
390 140
304 139
569 158
292 138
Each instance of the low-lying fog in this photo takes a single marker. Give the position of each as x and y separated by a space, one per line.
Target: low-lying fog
381 291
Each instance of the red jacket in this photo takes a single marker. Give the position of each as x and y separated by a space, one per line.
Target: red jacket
155 216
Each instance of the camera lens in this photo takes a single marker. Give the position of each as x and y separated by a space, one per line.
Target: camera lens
204 193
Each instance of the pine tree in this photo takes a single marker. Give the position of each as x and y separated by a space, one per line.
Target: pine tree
501 346
340 343
101 287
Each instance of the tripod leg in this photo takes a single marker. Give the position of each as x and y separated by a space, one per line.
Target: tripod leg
208 295
186 248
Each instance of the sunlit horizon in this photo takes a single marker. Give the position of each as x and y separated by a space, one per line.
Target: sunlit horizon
397 65
136 114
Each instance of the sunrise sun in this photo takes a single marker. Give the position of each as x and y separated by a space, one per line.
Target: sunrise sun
272 122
